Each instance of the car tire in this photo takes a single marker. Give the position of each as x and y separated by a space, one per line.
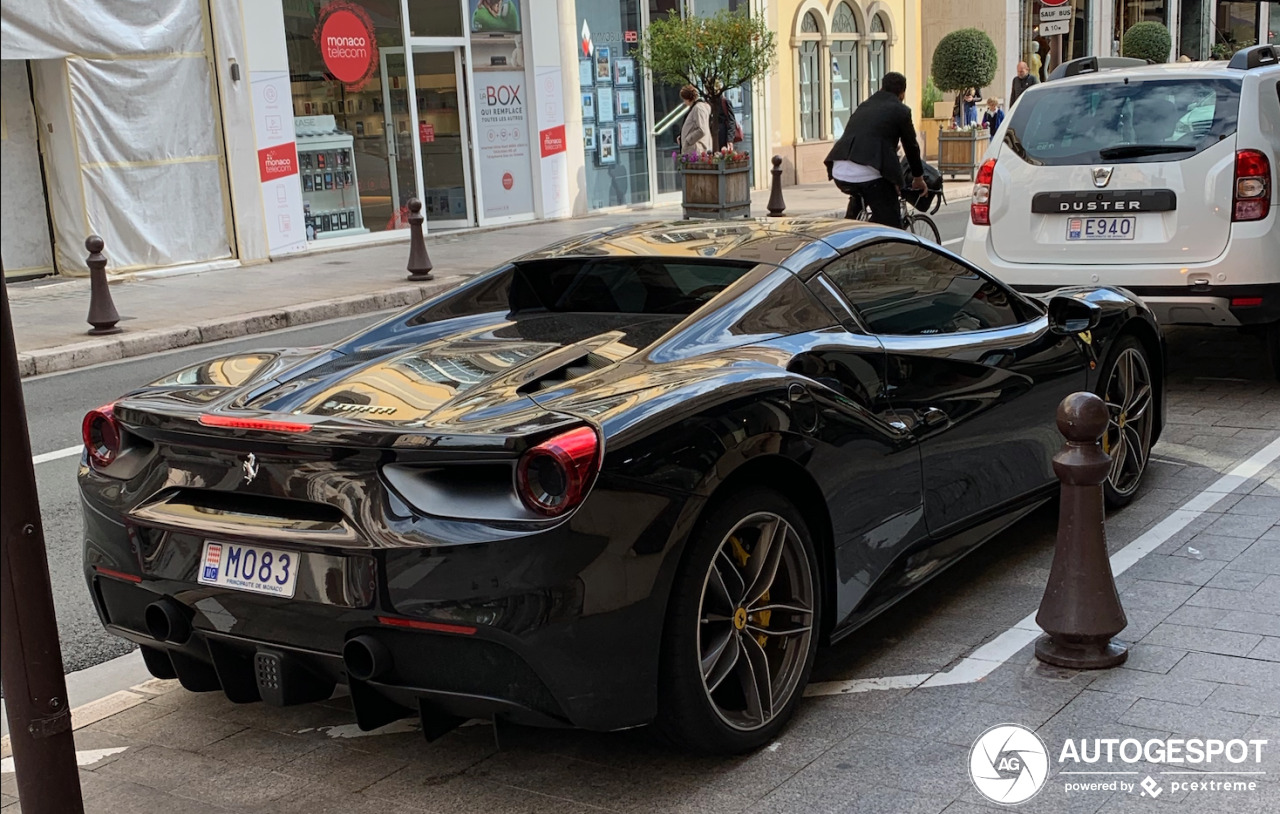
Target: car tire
722 633
1131 418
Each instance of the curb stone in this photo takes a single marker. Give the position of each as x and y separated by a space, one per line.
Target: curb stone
127 345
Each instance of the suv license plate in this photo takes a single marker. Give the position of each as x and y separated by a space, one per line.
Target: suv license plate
249 568
1101 228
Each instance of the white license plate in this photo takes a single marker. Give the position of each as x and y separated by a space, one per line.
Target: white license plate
1101 228
249 568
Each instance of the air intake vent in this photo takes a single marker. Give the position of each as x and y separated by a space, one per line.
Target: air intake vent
577 368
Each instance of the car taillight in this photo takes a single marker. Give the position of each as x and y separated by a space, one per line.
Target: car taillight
980 207
267 424
101 435
1252 199
554 476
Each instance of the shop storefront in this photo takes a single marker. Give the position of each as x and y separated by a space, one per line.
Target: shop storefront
1051 33
389 100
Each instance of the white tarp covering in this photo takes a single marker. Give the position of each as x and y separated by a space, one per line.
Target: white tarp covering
24 224
131 131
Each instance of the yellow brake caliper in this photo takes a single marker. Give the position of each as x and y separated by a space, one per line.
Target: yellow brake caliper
762 617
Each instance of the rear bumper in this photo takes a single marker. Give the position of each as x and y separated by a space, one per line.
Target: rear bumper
562 627
1241 287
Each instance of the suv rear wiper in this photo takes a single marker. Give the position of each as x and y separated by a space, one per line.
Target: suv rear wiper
1135 150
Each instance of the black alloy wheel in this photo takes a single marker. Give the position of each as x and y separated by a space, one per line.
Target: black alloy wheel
1128 390
742 626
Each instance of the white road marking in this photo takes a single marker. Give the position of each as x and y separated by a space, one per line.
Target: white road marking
65 452
983 661
354 731
953 240
84 757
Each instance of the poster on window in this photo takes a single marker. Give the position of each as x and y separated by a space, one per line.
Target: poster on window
278 161
553 147
503 126
495 16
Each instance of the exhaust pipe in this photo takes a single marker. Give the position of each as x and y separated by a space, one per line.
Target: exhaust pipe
366 658
167 621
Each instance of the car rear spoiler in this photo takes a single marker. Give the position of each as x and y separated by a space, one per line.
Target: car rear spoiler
1259 56
1094 64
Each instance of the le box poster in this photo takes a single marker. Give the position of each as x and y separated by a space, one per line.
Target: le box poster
502 118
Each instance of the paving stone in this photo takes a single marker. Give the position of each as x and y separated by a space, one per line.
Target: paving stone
1259 506
1203 639
1196 615
343 769
1150 658
1249 700
1269 586
1175 569
182 730
162 767
1268 649
321 798
1187 720
240 787
1236 580
135 798
1226 670
1235 600
1233 525
1153 686
1262 556
846 794
1210 547
261 748
1162 596
1267 624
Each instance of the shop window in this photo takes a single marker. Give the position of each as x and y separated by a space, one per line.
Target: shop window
878 52
846 90
434 18
1044 53
351 108
613 111
1236 27
809 71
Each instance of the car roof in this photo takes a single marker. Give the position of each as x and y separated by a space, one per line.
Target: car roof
760 240
1207 69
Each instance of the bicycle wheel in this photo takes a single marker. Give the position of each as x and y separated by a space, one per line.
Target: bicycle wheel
923 226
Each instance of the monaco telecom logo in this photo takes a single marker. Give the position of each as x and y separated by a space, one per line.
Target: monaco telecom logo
1008 764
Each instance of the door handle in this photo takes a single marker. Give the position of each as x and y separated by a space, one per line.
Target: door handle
933 417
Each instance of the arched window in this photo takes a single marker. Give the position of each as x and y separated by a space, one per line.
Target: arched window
846 90
878 56
809 76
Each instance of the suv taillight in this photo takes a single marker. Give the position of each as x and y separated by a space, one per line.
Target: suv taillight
101 436
554 476
1252 192
980 207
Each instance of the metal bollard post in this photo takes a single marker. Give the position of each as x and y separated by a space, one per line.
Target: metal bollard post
776 205
419 263
1081 611
102 311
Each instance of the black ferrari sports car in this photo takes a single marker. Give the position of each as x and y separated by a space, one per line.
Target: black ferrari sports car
636 477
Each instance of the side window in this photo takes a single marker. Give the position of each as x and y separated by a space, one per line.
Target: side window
907 290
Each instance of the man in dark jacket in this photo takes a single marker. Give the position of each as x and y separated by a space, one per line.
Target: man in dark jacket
864 162
1021 82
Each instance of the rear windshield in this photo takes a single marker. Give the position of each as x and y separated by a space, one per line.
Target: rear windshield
628 285
1123 122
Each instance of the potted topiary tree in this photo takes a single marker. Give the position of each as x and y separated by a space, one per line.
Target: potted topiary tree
714 54
1147 40
964 59
934 115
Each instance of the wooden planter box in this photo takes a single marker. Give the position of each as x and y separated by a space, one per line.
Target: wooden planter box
718 191
960 151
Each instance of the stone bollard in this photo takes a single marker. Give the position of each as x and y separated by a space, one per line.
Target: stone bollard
1081 611
102 311
419 263
776 205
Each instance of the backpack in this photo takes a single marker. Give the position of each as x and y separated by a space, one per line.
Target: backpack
731 121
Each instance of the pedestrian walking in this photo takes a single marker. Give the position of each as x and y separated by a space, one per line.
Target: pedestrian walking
695 134
994 116
864 162
1021 82
965 111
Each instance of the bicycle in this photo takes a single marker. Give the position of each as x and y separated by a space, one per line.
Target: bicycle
913 221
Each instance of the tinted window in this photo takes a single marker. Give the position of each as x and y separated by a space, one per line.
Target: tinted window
902 289
627 285
1158 120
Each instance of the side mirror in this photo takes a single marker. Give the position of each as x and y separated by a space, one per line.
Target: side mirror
1068 315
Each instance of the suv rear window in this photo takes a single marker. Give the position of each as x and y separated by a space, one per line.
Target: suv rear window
1123 122
626 285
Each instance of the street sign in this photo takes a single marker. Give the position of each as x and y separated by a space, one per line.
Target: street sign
1059 13
1053 2
1055 27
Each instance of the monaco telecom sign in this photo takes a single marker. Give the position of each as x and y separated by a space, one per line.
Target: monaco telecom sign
344 34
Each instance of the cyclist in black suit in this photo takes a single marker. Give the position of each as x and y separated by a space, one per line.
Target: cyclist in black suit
864 162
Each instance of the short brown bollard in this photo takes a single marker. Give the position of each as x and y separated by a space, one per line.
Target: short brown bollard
1081 611
419 263
102 311
776 205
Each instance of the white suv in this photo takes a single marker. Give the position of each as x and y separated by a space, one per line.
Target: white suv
1159 178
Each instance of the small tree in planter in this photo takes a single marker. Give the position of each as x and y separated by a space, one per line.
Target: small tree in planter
712 53
1147 40
966 58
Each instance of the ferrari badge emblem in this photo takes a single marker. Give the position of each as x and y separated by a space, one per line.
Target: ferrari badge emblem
250 468
1101 176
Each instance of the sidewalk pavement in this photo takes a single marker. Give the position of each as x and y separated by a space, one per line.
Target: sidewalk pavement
165 312
893 712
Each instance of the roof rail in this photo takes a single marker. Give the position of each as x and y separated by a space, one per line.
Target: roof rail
1255 57
1094 64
